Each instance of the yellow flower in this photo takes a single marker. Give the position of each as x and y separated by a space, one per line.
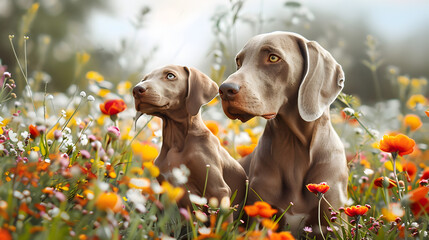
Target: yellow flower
153 170
235 126
147 151
1 131
93 75
136 171
416 83
34 8
403 80
4 122
394 211
103 92
269 224
389 166
365 163
254 122
416 99
412 121
253 137
173 193
100 120
125 135
213 102
82 57
124 87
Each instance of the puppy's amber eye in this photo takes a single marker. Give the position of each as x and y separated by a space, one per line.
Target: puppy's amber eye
273 58
170 76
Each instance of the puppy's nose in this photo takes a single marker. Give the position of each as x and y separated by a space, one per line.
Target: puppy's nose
138 91
228 90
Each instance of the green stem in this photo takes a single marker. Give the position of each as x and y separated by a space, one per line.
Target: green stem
318 218
357 227
394 155
207 177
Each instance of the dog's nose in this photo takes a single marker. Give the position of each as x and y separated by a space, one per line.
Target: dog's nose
228 90
138 91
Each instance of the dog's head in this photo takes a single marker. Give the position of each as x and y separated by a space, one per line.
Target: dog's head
173 89
277 69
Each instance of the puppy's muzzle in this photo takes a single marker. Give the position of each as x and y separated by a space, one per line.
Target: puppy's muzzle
228 91
138 91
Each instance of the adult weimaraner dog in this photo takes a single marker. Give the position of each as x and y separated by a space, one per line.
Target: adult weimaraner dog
290 81
175 94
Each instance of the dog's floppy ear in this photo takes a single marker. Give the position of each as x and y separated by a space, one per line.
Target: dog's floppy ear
201 89
323 80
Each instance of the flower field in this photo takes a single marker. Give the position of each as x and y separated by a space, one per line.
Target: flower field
76 164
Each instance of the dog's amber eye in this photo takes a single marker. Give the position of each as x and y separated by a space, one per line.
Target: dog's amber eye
273 58
170 76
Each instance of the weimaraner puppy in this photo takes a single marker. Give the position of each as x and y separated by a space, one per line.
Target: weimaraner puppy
175 94
290 81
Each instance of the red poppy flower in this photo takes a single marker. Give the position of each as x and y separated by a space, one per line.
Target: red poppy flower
34 132
425 174
113 107
357 210
262 209
419 203
384 182
318 188
400 144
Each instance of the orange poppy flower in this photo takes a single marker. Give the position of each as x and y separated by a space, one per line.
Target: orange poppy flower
213 126
281 236
113 107
412 121
34 132
245 150
384 182
259 208
109 201
411 170
427 113
400 144
418 193
4 234
318 188
357 210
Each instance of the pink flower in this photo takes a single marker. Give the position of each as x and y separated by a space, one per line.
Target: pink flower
113 132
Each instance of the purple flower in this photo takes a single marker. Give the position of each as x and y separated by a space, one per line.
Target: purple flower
113 132
308 229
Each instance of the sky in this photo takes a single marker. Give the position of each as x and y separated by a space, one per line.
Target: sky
182 30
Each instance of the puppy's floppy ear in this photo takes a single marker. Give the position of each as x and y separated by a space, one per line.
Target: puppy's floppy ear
323 80
201 89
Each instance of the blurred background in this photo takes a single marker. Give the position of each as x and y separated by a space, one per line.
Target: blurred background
374 41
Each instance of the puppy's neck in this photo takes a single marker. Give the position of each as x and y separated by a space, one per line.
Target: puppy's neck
176 130
287 123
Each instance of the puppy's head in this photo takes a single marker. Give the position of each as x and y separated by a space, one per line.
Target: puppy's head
173 88
277 69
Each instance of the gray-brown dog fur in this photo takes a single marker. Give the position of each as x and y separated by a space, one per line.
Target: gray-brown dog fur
299 145
185 138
